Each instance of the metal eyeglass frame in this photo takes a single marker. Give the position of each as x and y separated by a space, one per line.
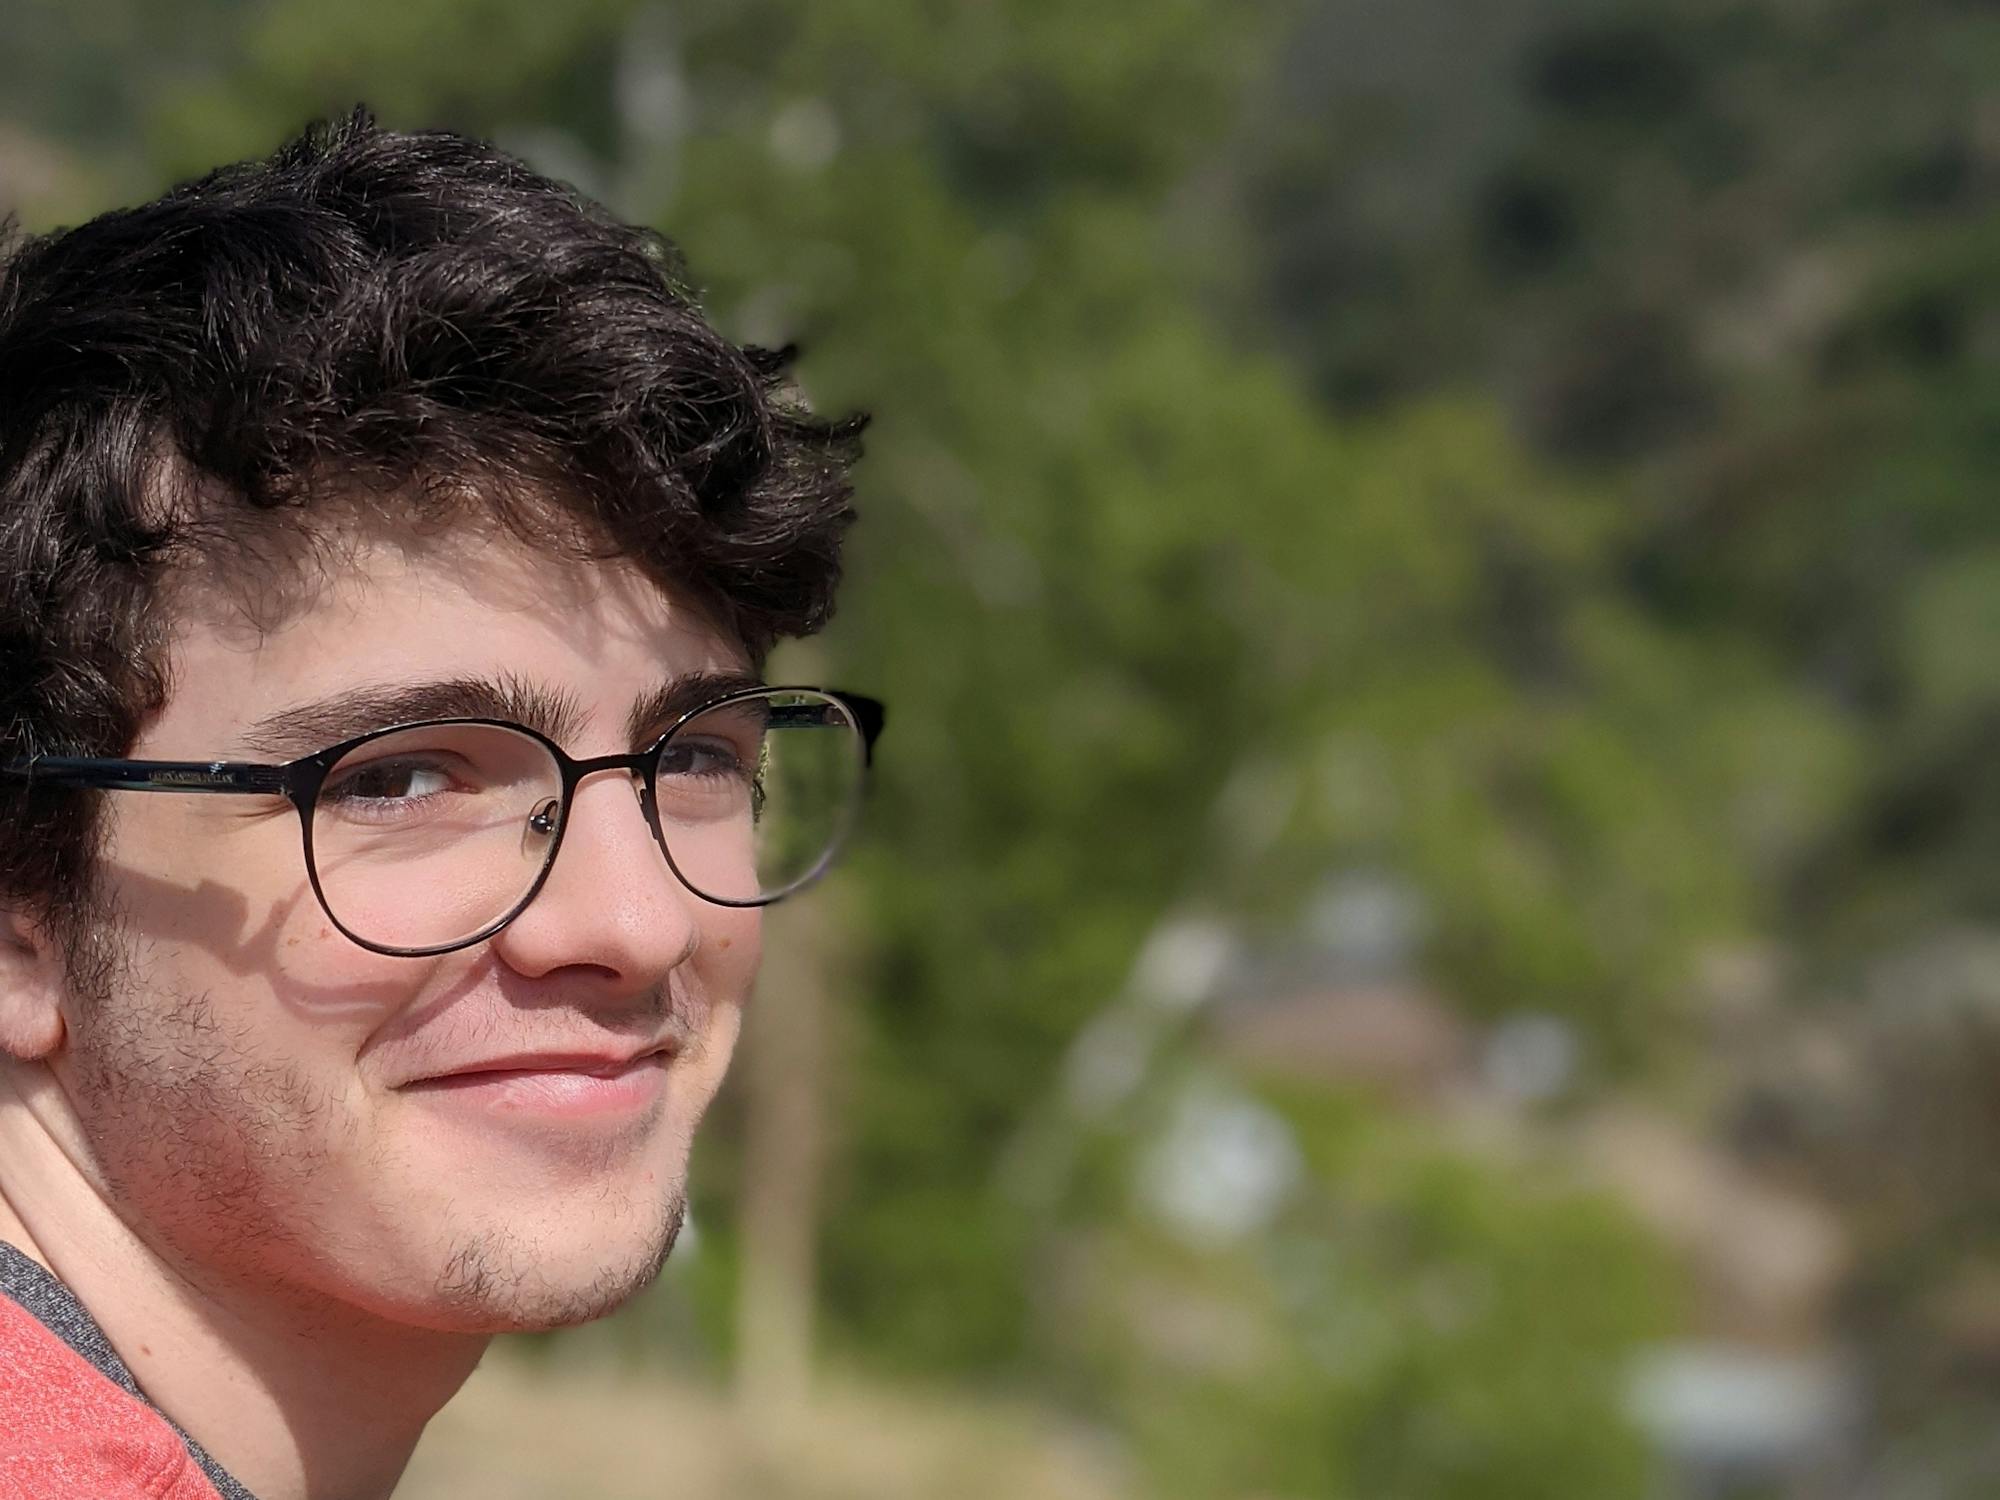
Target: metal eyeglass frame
299 783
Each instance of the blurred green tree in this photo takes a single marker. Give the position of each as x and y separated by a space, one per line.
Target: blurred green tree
1160 633
1735 257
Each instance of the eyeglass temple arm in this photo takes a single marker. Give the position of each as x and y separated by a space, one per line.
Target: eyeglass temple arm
248 777
870 714
152 775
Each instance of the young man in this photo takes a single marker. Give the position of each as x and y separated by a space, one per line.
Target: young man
388 554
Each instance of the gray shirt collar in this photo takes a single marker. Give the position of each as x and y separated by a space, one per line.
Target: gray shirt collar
54 1305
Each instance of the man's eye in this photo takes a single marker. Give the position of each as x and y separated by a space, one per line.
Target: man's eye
389 781
701 758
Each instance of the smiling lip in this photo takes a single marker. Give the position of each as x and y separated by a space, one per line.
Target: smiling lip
558 1085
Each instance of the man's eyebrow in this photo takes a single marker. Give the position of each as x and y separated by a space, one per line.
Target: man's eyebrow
303 728
655 713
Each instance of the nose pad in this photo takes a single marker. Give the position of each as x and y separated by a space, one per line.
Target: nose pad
541 827
649 806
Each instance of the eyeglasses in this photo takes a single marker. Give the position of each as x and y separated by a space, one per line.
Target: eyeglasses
429 837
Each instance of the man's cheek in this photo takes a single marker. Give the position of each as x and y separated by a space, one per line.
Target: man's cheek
735 933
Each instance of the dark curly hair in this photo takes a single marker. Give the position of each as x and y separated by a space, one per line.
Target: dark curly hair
414 323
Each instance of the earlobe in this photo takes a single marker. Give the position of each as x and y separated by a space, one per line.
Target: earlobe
31 989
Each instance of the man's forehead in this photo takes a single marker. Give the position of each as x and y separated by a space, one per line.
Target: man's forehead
269 581
384 632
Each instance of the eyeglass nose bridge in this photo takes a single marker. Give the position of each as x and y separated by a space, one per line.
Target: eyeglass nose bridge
549 819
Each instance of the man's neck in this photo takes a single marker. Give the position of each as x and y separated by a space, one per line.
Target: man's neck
298 1397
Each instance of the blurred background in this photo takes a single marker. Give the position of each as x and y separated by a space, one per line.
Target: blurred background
1430 926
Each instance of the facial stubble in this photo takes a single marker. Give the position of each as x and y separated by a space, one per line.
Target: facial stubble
224 1161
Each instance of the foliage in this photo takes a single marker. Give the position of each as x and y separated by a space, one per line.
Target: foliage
1529 452
1735 257
1418 1320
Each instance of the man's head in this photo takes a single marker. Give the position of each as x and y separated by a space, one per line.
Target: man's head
384 418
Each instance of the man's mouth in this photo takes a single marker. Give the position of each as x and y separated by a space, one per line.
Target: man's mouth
562 1085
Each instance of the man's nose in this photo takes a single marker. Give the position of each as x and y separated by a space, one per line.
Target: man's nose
610 903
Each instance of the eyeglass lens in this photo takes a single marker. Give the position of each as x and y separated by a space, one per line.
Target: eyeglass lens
425 837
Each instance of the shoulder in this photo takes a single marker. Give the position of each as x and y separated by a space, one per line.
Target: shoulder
66 1430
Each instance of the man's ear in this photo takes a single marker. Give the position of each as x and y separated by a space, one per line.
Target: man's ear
31 988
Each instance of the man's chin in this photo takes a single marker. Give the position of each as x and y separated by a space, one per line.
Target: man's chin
496 1284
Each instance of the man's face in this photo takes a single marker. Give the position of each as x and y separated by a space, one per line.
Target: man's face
281 1112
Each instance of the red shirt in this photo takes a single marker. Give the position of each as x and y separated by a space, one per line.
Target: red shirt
66 1430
